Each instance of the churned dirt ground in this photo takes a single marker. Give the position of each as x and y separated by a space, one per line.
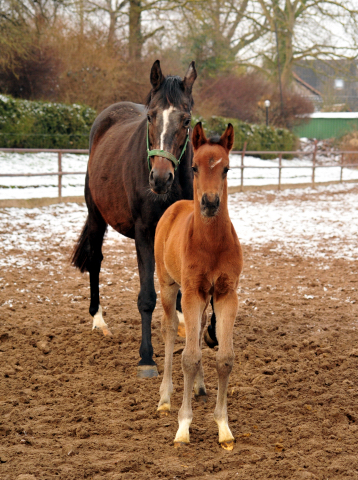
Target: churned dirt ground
71 406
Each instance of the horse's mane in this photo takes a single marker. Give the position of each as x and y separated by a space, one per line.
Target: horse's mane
171 92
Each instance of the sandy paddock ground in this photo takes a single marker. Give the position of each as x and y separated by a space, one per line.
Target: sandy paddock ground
71 406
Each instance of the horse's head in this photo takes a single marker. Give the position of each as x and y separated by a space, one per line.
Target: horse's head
169 106
210 166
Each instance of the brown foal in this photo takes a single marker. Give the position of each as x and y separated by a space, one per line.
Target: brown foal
197 249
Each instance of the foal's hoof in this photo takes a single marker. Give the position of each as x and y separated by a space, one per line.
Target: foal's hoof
180 444
147 371
211 343
228 445
163 410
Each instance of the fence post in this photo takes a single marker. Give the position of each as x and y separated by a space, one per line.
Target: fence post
314 163
342 161
59 175
279 170
242 166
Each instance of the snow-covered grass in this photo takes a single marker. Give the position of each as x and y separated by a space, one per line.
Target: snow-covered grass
38 187
321 223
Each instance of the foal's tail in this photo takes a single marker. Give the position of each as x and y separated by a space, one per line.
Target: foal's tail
80 254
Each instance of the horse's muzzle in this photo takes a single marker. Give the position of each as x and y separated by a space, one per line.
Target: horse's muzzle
160 182
209 205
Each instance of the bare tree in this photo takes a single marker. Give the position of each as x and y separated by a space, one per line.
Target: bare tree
298 30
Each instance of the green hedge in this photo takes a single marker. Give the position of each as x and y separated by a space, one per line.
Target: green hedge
258 137
26 124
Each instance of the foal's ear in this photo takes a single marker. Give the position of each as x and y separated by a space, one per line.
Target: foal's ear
156 76
189 78
227 138
199 137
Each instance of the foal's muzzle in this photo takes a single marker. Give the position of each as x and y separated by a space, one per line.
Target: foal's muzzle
209 204
160 182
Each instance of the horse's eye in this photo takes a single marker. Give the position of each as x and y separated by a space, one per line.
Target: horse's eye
149 118
226 169
186 122
195 169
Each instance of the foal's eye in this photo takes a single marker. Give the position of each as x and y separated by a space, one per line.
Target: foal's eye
226 169
195 169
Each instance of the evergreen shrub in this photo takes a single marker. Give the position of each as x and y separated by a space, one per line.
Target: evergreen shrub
258 137
29 124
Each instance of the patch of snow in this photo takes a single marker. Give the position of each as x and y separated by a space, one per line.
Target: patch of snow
73 185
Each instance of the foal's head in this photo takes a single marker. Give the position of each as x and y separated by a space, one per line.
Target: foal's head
210 166
169 106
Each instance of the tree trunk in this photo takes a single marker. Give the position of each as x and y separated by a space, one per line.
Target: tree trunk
135 30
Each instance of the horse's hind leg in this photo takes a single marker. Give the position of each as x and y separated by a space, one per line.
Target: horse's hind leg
87 256
169 331
97 229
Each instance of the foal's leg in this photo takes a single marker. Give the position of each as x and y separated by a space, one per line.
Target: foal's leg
169 331
199 385
193 308
226 309
144 242
181 326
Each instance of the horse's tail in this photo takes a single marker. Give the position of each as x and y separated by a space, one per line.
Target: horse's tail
80 253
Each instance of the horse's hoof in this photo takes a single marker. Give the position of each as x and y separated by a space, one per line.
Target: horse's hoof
147 371
163 413
228 445
202 398
106 332
180 444
181 325
201 395
209 341
164 409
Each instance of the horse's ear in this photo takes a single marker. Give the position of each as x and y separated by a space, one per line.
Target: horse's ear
189 78
199 137
156 76
227 138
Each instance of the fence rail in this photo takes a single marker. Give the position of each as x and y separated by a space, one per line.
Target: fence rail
242 167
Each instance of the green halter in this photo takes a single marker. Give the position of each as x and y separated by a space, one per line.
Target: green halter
163 153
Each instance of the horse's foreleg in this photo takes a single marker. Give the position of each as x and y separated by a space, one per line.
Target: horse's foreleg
193 309
168 294
226 310
144 241
210 332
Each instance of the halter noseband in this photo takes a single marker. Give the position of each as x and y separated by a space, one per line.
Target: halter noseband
164 153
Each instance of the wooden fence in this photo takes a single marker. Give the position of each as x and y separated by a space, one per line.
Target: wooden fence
60 173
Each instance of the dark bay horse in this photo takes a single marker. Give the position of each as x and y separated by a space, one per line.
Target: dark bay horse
139 164
197 250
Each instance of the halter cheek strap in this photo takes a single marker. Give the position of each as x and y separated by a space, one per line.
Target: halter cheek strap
164 153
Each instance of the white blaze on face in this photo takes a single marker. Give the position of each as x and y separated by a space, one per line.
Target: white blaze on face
166 114
216 163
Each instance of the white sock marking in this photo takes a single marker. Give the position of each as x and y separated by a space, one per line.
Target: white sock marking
98 321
